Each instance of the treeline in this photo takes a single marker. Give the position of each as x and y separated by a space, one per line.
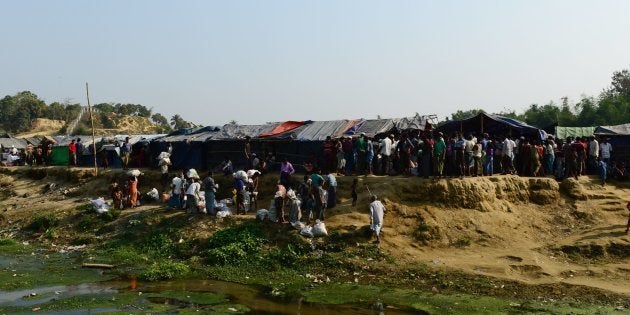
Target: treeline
18 111
611 107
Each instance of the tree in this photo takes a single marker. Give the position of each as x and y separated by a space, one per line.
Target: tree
178 122
621 83
159 119
462 114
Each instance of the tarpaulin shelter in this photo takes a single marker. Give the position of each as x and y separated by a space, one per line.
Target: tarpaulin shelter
619 136
7 141
188 147
564 132
282 128
381 127
491 124
617 130
234 131
319 130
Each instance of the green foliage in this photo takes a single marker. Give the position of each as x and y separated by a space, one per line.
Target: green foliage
7 242
159 244
611 107
43 222
179 123
236 245
165 270
462 114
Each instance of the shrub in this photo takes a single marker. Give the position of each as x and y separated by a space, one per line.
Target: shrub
159 245
165 270
43 222
236 245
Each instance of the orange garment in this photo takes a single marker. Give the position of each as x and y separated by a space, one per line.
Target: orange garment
133 192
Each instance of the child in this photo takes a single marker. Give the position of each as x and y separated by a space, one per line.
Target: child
355 183
116 194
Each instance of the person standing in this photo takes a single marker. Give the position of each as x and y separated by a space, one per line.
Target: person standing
192 196
508 156
210 189
294 207
286 170
317 181
328 151
439 151
331 188
247 153
386 152
603 170
79 151
369 156
348 155
628 225
125 152
72 151
176 194
605 150
593 154
377 209
239 185
133 191
361 147
306 197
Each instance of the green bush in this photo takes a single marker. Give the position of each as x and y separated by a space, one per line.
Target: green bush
237 245
159 244
165 270
43 222
7 242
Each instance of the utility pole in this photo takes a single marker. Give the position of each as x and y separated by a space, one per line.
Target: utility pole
87 92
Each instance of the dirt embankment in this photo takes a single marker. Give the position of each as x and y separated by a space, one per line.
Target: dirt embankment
532 230
43 127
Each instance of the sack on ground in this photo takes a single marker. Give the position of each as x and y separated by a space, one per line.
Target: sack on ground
319 229
307 231
153 195
298 225
99 205
224 213
262 214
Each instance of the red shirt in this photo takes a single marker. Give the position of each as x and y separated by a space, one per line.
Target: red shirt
72 147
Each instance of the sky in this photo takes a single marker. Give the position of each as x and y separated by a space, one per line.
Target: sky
259 61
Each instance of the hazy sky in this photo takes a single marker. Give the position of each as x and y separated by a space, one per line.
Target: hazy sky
258 61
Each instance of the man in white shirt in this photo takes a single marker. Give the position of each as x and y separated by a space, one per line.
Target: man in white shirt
377 210
193 194
605 149
508 156
593 154
386 152
177 185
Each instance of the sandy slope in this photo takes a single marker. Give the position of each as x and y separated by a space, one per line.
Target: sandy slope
504 226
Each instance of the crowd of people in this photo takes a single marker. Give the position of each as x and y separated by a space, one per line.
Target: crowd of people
437 155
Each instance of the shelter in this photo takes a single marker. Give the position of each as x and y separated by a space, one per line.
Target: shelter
564 132
188 147
619 136
492 124
7 141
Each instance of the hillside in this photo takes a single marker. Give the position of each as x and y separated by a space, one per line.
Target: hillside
502 236
106 124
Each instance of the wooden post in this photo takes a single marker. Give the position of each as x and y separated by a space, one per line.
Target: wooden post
482 124
87 92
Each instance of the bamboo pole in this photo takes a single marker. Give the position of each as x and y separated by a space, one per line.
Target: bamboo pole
87 92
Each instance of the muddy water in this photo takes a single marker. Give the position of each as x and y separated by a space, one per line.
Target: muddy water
259 302
254 298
